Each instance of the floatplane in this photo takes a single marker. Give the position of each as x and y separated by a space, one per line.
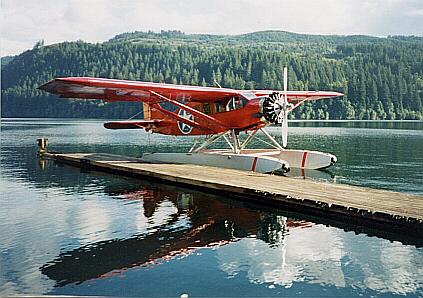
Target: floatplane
215 113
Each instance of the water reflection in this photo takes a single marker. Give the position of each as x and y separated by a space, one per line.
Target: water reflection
264 246
195 222
321 255
311 255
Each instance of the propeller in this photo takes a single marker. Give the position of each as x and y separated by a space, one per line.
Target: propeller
284 110
275 108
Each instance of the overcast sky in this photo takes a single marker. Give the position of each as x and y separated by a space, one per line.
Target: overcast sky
23 22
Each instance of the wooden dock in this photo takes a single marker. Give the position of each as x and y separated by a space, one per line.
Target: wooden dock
357 204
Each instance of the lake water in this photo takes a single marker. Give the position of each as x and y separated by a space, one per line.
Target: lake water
64 231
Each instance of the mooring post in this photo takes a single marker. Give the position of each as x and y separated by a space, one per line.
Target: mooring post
42 146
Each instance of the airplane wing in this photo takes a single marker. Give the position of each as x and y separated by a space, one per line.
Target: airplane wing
293 96
121 90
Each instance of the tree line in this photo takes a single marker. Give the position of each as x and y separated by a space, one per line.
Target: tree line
381 78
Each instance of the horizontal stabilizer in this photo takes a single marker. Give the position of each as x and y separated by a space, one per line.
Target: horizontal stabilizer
132 124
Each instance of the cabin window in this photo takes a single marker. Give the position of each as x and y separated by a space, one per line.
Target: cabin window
206 108
235 103
219 106
198 108
244 101
168 106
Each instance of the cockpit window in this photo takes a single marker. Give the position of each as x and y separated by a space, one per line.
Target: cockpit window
235 103
206 108
249 95
228 104
219 106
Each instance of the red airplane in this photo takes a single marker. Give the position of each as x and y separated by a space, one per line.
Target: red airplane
210 111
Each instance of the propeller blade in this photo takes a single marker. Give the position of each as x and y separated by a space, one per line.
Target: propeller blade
285 129
285 79
284 111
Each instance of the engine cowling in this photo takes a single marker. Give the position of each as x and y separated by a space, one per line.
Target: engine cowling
271 108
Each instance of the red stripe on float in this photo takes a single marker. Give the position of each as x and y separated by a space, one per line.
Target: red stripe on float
304 159
254 164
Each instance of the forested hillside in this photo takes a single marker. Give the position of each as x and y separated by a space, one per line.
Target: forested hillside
382 78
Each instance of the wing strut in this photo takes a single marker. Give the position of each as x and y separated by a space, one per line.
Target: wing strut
176 116
213 121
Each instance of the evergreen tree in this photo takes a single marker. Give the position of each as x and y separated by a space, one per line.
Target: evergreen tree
382 78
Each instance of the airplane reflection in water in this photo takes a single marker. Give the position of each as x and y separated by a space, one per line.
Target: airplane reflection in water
212 223
264 246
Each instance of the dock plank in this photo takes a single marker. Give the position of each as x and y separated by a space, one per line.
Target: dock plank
373 203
